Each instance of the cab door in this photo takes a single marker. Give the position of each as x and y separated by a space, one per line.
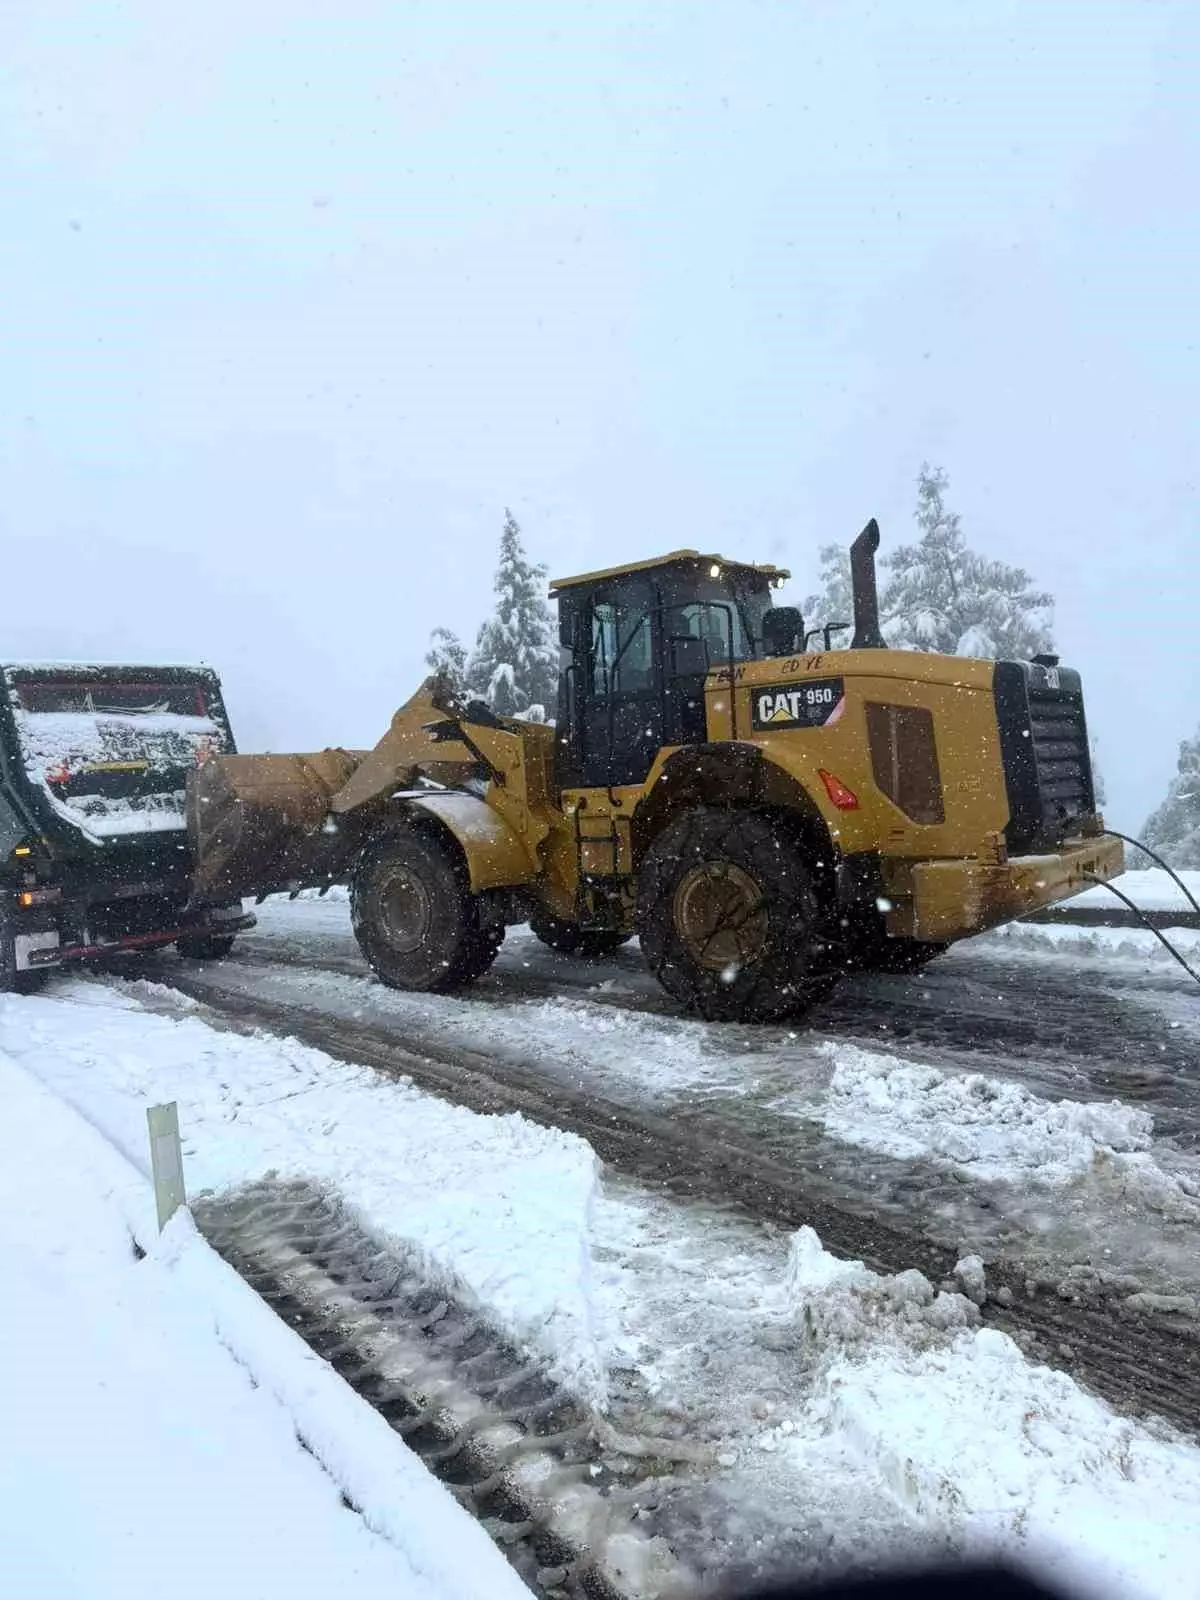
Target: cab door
699 636
619 703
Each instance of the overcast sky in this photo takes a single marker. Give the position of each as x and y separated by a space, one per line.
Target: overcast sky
296 298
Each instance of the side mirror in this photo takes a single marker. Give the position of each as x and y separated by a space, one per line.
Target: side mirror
689 656
783 632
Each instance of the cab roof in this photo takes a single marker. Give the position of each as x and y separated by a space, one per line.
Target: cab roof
673 558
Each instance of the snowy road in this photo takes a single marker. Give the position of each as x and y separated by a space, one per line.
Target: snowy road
1029 1098
823 1412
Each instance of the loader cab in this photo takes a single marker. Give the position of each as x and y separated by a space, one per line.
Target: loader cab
636 646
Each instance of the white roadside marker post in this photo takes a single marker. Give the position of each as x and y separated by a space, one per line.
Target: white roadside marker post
166 1161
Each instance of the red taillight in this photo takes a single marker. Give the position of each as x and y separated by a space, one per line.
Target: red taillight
844 799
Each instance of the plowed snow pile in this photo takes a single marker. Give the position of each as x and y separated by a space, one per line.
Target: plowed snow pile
973 1437
992 1129
1101 944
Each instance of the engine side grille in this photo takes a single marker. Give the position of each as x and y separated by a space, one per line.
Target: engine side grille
1047 760
1060 748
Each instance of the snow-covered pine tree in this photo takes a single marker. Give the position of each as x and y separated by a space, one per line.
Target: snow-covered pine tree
1174 829
834 602
448 655
940 595
514 665
501 692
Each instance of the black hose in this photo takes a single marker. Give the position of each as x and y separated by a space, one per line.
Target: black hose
1144 920
1154 856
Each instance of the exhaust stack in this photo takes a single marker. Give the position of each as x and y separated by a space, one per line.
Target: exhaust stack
866 591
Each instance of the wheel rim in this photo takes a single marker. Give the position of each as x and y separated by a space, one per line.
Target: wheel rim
721 916
404 912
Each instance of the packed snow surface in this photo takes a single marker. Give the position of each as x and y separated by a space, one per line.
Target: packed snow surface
851 1406
158 1419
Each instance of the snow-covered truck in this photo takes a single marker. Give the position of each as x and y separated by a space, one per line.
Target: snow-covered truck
94 854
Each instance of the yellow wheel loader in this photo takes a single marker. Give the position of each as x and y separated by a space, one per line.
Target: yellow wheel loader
763 811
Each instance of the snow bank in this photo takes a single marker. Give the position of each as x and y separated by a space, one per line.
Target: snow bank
157 1417
1136 944
994 1130
1152 890
493 1206
977 1441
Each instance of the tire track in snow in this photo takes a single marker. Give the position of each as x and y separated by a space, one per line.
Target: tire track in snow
1140 1359
1060 1036
560 1491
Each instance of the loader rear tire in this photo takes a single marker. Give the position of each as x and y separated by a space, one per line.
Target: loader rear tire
589 944
414 917
729 917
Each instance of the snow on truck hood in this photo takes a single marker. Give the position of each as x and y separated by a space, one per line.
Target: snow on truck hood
151 751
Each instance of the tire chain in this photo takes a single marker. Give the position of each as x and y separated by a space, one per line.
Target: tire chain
823 964
568 1501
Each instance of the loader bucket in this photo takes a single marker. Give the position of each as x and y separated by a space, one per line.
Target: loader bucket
259 824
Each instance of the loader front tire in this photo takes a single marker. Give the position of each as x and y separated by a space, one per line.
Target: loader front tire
414 917
729 916
589 944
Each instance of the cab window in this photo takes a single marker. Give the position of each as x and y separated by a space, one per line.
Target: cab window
622 659
718 626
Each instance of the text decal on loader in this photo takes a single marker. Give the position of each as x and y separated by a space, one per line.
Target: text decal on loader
814 704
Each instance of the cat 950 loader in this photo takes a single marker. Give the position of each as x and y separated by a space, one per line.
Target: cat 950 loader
764 811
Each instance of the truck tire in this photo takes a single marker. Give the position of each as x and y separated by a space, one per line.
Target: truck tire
590 944
12 981
416 922
729 917
205 946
